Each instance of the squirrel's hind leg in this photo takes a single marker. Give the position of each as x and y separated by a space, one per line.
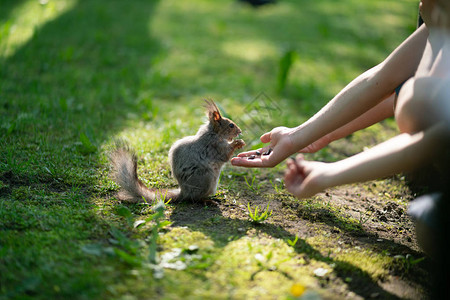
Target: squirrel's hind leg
193 193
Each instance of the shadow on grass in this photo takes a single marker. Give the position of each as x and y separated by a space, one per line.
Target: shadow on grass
62 95
7 7
71 87
223 228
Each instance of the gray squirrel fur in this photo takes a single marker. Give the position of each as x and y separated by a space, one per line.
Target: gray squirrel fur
196 162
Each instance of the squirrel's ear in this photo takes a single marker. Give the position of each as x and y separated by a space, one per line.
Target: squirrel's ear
216 116
213 111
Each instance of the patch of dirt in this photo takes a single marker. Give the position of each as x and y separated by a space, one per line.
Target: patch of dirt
361 216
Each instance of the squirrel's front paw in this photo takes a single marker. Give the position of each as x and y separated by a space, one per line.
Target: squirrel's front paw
238 144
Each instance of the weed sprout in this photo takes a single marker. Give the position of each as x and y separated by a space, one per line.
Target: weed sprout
255 216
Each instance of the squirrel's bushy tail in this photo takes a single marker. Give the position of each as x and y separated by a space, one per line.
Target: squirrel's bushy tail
124 173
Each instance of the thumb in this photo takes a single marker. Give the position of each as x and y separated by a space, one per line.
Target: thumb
266 137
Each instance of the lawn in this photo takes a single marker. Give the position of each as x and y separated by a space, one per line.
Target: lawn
77 75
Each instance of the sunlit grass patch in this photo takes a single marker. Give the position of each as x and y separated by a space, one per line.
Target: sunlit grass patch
257 267
25 20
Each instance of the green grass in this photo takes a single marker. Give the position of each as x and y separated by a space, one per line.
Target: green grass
75 75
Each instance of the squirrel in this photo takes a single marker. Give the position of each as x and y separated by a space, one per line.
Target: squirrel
196 162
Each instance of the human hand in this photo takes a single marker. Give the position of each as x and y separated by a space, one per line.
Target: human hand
304 178
280 147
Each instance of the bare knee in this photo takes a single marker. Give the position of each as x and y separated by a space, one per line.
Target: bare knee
406 118
413 112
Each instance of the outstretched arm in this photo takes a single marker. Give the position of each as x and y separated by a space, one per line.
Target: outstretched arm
401 153
376 114
362 94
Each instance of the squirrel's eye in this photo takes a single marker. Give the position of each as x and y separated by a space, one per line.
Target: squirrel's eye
231 125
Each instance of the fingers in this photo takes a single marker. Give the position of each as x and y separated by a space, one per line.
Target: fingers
296 177
291 173
260 158
266 157
291 165
247 163
257 159
257 152
298 160
292 179
289 177
247 153
295 168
